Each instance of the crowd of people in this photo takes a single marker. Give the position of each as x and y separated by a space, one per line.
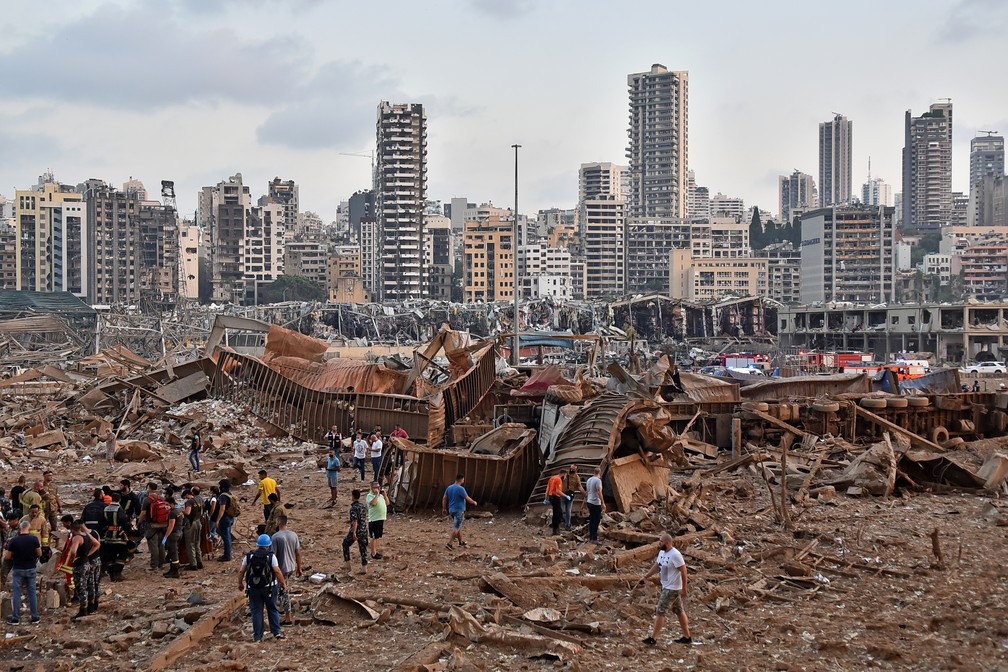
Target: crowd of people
183 527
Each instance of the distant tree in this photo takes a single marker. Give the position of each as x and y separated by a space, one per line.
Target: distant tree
291 288
756 238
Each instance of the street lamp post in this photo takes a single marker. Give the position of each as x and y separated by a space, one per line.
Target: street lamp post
515 346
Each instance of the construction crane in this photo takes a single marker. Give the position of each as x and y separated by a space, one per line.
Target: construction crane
363 156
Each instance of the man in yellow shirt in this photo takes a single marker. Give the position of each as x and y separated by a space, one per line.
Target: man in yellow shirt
39 526
267 487
30 498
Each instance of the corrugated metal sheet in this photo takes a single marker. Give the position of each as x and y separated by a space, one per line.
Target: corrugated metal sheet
807 386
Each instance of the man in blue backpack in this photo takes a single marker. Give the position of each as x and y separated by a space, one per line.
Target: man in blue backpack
261 571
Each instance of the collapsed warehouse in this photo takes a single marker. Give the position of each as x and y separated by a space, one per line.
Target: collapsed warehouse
745 473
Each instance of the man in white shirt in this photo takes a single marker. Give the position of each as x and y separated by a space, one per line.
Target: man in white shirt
376 454
360 453
673 581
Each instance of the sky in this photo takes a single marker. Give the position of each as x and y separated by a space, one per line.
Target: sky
197 90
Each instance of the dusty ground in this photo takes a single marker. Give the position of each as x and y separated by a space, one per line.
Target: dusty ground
868 594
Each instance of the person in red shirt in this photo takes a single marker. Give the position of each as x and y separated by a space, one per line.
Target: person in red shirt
399 432
555 495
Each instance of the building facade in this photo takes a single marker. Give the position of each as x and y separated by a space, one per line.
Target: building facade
987 157
876 191
835 161
927 169
604 243
439 257
488 261
711 279
51 221
658 149
847 255
796 194
400 200
285 194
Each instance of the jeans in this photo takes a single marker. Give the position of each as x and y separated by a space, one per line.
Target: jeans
594 518
259 598
360 464
375 466
224 529
194 460
28 576
567 505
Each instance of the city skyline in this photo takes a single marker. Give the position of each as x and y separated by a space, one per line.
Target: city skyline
218 90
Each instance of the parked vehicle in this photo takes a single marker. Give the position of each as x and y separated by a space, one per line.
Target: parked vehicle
987 367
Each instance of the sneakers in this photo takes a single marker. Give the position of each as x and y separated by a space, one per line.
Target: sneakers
463 544
279 635
684 640
11 621
649 641
377 556
449 547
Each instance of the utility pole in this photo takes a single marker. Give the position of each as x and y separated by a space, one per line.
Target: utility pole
515 346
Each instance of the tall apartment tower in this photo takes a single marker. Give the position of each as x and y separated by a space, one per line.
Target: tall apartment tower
51 222
400 200
796 194
927 169
285 194
658 143
835 161
596 179
987 157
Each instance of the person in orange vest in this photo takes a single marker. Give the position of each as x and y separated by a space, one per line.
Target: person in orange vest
555 494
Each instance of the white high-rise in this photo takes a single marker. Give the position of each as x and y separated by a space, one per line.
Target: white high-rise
658 147
401 197
835 161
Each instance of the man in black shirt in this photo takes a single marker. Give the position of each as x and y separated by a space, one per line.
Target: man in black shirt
23 552
16 509
94 512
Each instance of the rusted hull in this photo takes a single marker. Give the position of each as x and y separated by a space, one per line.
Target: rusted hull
307 414
464 394
420 480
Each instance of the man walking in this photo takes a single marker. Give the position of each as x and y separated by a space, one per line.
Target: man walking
596 504
287 548
195 446
453 503
155 515
555 495
193 534
376 455
672 567
277 509
23 553
377 508
267 487
110 447
261 571
572 486
358 531
84 555
360 451
172 538
226 511
333 466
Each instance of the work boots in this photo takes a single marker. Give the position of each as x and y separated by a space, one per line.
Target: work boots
173 573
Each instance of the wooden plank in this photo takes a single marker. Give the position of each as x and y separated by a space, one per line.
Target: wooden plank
191 638
180 389
915 439
780 424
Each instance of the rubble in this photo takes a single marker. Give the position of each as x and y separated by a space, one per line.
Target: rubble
819 516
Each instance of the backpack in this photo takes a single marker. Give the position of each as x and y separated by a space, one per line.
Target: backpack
231 508
259 570
159 510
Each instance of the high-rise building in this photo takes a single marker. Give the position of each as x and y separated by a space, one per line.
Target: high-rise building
189 256
847 254
285 194
601 178
988 202
876 191
51 221
726 206
649 242
8 254
309 259
709 279
401 199
604 247
488 261
361 205
461 210
927 169
987 157
439 256
835 161
796 194
658 147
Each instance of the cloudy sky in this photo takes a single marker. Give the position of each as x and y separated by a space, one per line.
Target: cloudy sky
196 90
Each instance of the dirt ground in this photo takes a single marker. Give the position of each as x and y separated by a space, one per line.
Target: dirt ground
854 585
